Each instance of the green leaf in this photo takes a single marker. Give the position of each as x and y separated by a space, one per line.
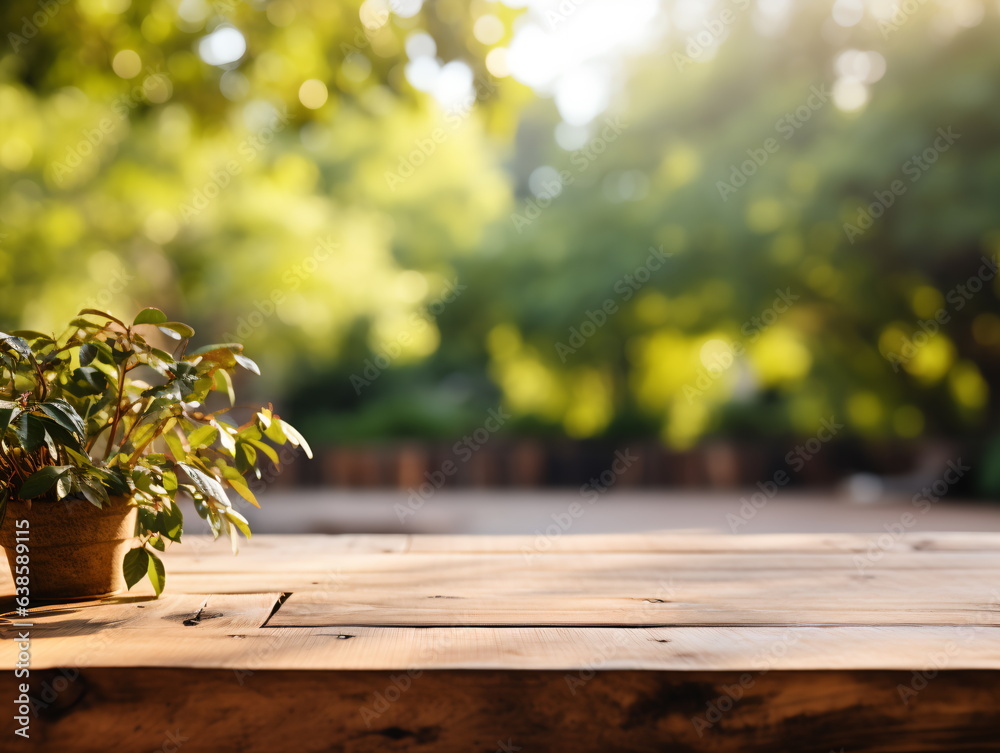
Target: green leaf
157 543
239 521
147 519
65 415
249 432
203 436
225 438
94 491
224 384
56 436
156 572
136 566
275 433
150 316
88 352
177 330
176 446
162 355
116 484
207 485
6 416
165 394
65 486
30 432
245 457
42 481
144 434
106 315
240 487
88 380
16 344
146 481
172 522
206 349
81 459
170 481
223 356
267 450
30 334
121 356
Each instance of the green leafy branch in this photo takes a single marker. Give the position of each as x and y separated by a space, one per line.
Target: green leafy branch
101 413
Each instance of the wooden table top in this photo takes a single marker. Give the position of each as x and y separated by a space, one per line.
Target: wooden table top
653 601
436 644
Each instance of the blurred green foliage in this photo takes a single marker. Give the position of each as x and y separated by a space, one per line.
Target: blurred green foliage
391 262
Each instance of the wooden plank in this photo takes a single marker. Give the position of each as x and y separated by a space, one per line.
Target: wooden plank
209 663
223 613
676 541
624 711
638 589
297 563
752 649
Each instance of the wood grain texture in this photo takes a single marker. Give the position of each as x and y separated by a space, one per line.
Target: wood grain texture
652 589
646 642
78 644
461 711
683 541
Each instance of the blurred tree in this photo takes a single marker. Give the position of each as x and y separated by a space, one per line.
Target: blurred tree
763 227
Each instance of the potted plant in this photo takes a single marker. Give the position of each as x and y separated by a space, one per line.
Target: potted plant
102 433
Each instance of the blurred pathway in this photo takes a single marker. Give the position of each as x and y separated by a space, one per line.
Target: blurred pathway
530 511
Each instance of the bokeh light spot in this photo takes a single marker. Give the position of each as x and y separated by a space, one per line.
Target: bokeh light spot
127 64
313 93
223 46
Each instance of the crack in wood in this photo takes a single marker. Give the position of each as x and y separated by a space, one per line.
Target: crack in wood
193 621
277 605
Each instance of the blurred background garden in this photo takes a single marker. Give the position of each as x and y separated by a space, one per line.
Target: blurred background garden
729 239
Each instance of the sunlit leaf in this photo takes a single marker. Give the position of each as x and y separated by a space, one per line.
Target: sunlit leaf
42 481
135 566
150 316
156 572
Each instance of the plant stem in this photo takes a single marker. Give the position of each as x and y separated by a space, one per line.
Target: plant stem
118 413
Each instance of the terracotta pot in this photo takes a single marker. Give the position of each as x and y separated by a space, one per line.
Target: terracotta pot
75 549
